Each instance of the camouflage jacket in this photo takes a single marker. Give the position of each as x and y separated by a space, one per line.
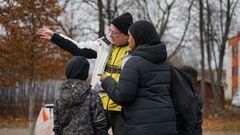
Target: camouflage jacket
78 110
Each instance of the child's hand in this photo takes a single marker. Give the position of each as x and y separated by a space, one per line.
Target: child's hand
102 77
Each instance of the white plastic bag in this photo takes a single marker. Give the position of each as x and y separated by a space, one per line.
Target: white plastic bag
44 124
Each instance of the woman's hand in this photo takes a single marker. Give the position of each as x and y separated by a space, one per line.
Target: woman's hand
102 77
45 33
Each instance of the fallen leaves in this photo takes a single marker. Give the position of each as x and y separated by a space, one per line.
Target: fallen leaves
227 122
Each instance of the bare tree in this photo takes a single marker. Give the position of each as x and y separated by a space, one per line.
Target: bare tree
157 12
217 34
99 12
101 25
180 44
201 30
209 45
164 15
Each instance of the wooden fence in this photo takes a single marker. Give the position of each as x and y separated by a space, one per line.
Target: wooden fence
15 100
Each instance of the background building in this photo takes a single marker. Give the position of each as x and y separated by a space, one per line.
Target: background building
233 74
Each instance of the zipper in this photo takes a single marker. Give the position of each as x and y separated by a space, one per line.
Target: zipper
115 59
112 73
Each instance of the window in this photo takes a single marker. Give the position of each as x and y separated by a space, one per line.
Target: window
236 70
235 50
233 72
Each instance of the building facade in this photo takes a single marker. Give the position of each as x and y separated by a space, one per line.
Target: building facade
233 67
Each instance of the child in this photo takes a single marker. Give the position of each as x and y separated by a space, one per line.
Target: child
193 74
78 109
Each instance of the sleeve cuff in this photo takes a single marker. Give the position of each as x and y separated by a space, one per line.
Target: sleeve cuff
108 82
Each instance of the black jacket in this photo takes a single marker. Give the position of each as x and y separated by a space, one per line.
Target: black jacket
72 47
143 91
78 110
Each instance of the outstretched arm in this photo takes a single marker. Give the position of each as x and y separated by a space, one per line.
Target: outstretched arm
86 49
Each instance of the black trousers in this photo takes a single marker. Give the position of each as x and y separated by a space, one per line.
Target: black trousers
116 122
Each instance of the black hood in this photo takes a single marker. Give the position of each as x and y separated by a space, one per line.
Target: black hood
148 44
75 87
71 93
154 53
144 32
77 68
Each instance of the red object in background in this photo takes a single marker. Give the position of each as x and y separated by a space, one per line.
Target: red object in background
209 101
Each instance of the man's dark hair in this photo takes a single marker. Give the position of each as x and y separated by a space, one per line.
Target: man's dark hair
189 70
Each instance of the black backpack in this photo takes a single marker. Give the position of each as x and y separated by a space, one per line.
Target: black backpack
185 101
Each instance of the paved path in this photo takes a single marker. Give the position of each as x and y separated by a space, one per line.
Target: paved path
25 132
13 132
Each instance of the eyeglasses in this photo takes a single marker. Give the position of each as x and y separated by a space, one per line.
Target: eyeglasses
114 33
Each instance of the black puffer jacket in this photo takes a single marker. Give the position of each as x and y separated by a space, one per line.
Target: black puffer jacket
143 91
144 86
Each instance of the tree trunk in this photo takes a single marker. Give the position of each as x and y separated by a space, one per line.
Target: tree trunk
100 19
108 12
180 45
32 77
31 123
209 37
201 30
225 31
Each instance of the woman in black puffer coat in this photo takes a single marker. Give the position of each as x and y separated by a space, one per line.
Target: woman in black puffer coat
144 86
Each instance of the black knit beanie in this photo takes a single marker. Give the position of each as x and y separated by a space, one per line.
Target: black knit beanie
77 68
123 22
